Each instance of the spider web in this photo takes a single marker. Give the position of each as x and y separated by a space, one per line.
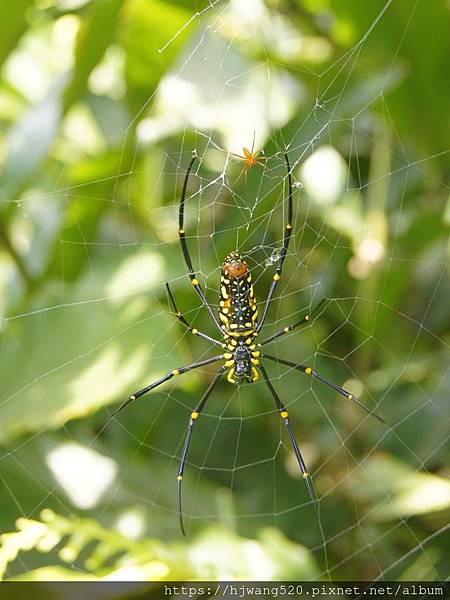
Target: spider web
380 491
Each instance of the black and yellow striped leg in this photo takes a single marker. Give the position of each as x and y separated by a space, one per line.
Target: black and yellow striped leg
181 318
336 388
284 249
166 377
187 257
306 319
285 416
194 416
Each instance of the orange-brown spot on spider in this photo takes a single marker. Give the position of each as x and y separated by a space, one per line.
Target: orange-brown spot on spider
235 265
238 269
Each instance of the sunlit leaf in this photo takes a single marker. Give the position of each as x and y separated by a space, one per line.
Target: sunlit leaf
29 141
397 490
79 360
96 34
13 23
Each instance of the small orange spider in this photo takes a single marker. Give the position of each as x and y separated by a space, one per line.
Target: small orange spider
251 160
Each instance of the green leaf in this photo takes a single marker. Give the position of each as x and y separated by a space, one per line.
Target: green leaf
150 25
13 23
73 536
29 141
87 344
273 556
97 32
397 491
217 554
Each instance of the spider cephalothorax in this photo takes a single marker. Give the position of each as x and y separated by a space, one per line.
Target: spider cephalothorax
239 327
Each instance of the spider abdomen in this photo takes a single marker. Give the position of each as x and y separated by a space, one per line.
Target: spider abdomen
238 315
238 312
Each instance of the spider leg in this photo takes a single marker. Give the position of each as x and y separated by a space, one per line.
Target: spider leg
253 141
285 416
194 416
256 156
244 173
181 318
187 257
158 382
336 388
287 237
306 319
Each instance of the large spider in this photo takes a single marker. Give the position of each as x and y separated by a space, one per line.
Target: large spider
238 325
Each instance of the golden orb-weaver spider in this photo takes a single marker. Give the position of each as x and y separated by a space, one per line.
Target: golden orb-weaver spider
238 325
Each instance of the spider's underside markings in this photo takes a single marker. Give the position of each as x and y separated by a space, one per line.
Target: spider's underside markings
239 327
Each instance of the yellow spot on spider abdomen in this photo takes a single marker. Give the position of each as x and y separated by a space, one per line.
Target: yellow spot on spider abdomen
241 333
284 414
308 370
230 376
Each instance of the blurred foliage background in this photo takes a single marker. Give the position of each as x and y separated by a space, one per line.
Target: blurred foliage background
101 104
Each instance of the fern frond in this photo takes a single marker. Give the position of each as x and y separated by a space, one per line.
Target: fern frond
84 549
108 553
